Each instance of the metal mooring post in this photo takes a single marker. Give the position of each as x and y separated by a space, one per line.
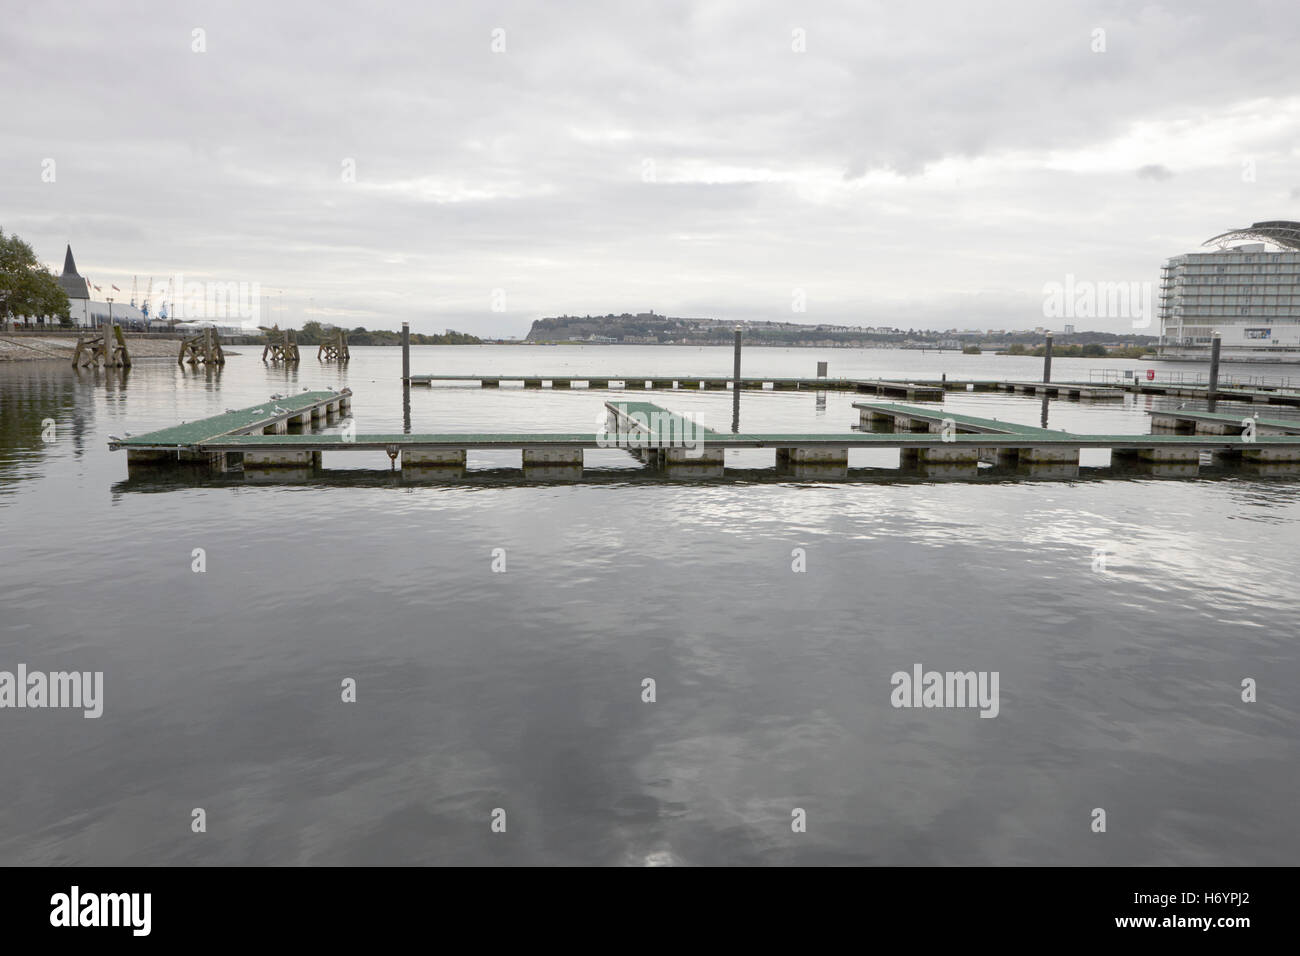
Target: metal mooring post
406 352
1215 344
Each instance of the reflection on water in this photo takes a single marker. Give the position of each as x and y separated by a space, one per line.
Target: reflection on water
522 690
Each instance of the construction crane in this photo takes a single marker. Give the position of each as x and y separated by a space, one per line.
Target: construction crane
135 289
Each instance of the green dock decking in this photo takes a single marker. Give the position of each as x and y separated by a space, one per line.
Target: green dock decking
970 423
240 421
675 442
1221 423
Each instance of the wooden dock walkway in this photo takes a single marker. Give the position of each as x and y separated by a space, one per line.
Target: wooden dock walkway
188 440
1220 423
915 390
1063 390
912 391
258 438
1224 394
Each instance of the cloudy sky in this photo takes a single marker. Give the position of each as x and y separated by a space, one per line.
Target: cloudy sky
477 166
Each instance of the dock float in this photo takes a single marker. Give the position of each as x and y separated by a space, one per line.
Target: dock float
189 441
1220 423
941 444
1261 396
1062 390
912 391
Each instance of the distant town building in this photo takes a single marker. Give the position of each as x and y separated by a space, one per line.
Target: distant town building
1248 295
1069 330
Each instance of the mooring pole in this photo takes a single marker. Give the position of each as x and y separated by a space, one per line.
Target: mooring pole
735 387
406 352
1047 359
1215 344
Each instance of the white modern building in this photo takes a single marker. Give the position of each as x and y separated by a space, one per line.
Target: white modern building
1247 294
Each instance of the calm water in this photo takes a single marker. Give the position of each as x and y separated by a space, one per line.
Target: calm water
1119 688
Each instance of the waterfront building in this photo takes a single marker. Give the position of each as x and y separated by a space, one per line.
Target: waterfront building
1246 293
85 309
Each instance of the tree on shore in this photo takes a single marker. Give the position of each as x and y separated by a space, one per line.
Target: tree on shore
27 288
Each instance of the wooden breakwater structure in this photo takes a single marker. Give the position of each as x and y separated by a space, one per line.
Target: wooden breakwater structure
201 348
107 346
934 442
334 347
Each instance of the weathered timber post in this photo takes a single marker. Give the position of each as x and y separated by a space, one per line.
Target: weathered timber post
1047 359
121 354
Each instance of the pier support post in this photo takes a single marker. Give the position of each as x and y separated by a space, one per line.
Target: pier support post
1215 344
735 387
1047 358
406 352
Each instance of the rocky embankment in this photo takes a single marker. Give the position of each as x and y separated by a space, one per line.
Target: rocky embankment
22 348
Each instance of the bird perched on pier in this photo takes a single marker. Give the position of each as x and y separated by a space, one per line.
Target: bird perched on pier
113 438
278 410
276 397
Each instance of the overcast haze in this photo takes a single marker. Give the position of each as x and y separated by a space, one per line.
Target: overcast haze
922 165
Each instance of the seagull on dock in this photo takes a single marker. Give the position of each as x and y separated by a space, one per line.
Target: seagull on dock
113 438
276 397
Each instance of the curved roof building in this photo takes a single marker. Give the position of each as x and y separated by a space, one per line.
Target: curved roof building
1280 232
1245 295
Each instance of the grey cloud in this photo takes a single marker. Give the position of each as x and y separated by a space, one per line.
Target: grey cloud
1154 171
524 169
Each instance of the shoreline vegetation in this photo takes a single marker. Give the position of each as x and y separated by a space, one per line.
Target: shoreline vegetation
313 333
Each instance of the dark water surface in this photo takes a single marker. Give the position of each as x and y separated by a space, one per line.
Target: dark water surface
1119 688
